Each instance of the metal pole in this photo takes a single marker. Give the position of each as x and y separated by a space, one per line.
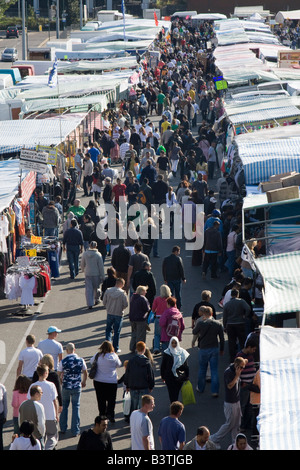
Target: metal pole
81 14
57 19
24 48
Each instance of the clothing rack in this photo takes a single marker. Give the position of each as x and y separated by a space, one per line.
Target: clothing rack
34 266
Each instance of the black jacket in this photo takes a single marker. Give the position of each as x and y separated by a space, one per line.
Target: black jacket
120 259
145 278
172 268
159 191
139 373
166 368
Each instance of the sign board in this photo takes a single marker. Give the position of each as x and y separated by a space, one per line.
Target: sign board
34 240
34 161
31 253
288 59
52 153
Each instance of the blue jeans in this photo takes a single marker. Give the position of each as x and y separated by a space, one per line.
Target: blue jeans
208 356
175 287
156 339
73 260
231 263
50 232
113 322
74 397
136 398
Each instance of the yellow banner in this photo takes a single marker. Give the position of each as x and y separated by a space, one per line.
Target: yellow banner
34 240
30 253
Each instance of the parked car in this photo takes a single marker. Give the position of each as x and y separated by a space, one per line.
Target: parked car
9 55
12 31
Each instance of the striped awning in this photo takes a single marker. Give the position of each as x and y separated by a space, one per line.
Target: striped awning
278 421
265 115
29 133
262 159
281 274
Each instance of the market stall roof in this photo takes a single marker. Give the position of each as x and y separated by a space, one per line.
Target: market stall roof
279 399
265 115
35 87
209 16
99 103
281 274
97 65
29 133
281 16
10 180
269 152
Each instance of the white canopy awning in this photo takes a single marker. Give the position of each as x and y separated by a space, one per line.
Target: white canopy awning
279 416
281 16
29 133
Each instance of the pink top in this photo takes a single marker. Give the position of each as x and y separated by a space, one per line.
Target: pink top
159 306
17 400
163 322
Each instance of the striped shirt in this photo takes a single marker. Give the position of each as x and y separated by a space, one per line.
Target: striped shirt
248 373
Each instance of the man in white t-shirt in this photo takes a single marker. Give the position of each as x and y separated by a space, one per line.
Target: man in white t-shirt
50 404
29 358
51 346
141 426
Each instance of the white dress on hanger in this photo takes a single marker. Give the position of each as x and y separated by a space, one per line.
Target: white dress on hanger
27 285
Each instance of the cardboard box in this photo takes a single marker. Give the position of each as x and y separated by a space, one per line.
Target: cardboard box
282 194
292 180
269 186
281 175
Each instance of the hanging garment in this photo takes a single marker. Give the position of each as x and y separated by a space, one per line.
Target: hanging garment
27 285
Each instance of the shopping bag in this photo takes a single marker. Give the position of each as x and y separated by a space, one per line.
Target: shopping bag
151 317
126 404
187 393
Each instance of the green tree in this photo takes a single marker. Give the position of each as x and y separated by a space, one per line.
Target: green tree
72 10
4 5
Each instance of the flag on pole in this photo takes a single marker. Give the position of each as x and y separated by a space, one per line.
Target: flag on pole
123 13
52 79
155 18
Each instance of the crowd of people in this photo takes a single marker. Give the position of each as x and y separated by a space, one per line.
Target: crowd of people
133 160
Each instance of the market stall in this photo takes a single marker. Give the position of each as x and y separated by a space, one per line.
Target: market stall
278 420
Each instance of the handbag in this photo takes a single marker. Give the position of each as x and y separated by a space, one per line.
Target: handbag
187 393
126 404
94 367
181 376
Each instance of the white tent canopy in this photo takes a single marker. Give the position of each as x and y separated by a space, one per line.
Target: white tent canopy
29 133
287 15
279 417
10 180
209 16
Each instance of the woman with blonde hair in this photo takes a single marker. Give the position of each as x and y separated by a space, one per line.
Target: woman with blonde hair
106 379
158 307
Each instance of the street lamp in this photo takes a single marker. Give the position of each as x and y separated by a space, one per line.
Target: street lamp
24 48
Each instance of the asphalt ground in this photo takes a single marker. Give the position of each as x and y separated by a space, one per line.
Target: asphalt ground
65 307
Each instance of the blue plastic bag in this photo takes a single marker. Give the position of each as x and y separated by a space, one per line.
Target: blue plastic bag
151 317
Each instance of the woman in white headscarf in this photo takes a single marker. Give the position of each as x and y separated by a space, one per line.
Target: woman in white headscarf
174 368
240 443
67 222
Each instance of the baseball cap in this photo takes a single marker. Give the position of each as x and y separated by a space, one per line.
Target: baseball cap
53 329
213 199
216 213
